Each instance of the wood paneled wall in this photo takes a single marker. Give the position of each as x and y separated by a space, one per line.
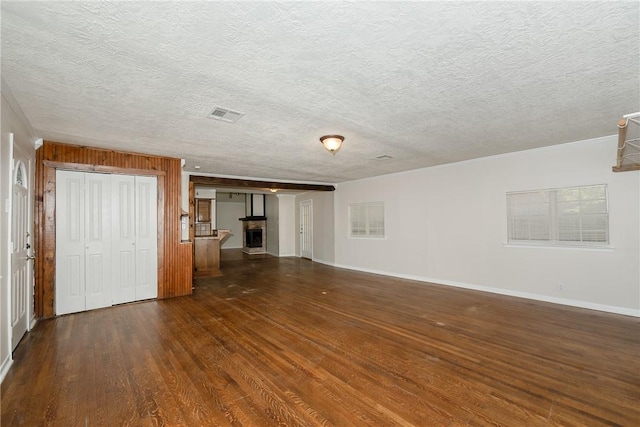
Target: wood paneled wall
174 256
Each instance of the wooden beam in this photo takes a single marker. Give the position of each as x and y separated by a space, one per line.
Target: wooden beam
626 168
249 184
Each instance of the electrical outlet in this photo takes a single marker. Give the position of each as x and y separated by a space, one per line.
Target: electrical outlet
560 287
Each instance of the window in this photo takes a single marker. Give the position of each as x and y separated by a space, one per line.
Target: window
21 175
366 220
564 216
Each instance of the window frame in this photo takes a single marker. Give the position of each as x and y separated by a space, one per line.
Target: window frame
368 227
554 217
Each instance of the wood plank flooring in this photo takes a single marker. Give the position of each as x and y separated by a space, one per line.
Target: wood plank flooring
291 342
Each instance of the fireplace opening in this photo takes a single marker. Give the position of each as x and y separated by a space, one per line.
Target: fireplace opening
253 238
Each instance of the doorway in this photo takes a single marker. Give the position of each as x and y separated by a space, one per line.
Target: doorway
306 229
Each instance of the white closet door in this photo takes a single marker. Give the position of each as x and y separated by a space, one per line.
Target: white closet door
124 238
83 241
70 245
106 241
146 237
98 240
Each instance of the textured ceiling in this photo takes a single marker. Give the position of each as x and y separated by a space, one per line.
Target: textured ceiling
423 82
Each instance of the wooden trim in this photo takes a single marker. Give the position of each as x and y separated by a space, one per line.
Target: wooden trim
192 228
246 183
626 168
39 222
192 211
622 136
102 169
160 238
49 246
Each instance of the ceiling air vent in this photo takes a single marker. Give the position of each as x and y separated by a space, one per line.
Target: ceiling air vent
383 157
225 115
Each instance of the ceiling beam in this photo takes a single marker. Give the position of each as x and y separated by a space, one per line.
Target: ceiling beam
246 183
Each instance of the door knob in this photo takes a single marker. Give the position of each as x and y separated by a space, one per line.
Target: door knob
29 257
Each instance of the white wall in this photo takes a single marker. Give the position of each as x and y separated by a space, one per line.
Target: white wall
227 214
271 211
287 224
323 224
24 137
447 225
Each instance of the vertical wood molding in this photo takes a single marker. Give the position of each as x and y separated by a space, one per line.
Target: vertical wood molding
174 257
192 219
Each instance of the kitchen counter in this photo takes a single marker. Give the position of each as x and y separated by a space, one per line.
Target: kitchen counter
207 254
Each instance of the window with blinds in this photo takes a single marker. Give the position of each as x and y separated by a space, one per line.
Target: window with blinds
564 216
366 220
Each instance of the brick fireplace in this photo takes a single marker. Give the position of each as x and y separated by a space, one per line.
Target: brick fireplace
254 236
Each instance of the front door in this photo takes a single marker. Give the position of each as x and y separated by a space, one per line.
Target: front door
21 267
306 229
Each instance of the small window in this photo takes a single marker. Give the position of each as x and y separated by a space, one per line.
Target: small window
564 216
21 175
366 220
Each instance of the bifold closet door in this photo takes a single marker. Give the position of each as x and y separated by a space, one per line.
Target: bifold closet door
135 231
106 240
83 241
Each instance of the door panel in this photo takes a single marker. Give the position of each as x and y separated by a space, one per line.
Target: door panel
98 269
124 250
146 237
70 246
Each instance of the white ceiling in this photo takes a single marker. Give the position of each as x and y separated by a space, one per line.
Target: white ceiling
424 82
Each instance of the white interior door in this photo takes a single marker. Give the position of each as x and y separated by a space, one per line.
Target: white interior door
146 244
98 238
20 267
306 229
135 231
83 241
124 239
70 242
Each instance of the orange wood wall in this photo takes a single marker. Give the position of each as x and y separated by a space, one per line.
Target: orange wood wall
174 257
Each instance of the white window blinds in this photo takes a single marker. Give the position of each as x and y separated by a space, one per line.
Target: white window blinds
366 220
575 216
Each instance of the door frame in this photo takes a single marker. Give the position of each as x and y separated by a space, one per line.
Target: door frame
309 229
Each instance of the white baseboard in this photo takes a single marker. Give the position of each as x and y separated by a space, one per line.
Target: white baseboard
325 262
231 247
537 297
33 323
4 368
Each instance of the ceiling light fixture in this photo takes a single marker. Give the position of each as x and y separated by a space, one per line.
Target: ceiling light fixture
332 142
273 190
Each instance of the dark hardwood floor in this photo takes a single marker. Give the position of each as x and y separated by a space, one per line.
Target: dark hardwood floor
291 342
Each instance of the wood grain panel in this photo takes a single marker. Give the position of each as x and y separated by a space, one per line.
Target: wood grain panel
289 342
174 257
249 184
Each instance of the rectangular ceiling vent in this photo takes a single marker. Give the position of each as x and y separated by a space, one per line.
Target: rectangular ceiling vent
225 115
383 157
